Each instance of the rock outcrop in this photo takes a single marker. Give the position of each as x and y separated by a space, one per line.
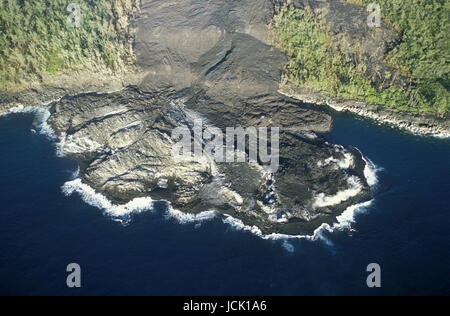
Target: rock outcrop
210 60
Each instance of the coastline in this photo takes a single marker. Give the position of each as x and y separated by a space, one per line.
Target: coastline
66 85
122 212
103 120
423 124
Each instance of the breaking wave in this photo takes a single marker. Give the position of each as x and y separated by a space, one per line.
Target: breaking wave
355 187
118 212
441 136
370 172
186 218
122 213
41 126
42 114
344 222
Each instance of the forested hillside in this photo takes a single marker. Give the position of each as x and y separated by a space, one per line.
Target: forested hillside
423 56
37 39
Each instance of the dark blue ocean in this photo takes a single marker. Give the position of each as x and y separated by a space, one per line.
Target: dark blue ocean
406 231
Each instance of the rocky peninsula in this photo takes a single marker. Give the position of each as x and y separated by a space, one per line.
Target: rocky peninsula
215 61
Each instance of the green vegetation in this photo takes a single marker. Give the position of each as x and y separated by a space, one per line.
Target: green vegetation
423 56
35 39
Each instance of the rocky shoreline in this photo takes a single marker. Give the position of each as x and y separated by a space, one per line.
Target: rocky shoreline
209 69
195 61
367 48
122 143
420 124
62 86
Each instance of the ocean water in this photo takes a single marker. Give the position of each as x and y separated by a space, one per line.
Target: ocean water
406 230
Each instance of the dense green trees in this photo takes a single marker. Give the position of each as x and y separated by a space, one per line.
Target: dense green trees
423 56
424 53
35 39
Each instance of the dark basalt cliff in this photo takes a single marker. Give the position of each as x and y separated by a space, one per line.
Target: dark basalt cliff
210 60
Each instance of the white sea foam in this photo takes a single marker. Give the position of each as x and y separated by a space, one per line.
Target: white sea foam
441 136
138 205
344 222
42 114
91 197
346 162
355 187
122 212
370 172
19 109
347 218
185 218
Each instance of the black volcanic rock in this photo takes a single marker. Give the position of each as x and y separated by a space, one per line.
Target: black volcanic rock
210 60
